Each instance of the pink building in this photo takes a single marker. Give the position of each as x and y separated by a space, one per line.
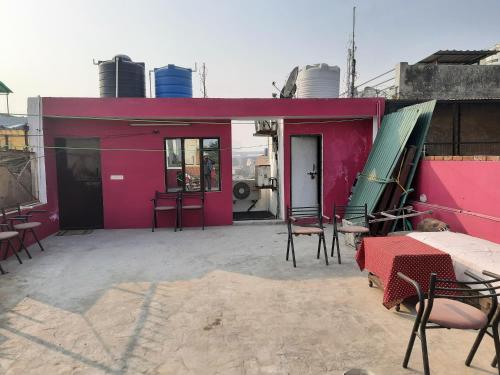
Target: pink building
102 159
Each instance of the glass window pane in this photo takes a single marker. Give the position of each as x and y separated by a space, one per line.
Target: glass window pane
211 169
192 164
210 143
173 156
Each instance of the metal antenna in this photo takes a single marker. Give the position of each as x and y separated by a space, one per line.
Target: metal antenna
353 58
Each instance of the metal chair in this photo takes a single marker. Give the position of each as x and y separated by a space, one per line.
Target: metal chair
192 201
305 221
7 234
356 214
25 225
442 309
165 202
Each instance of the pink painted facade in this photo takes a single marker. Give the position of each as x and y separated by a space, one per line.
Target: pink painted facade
126 203
464 194
345 148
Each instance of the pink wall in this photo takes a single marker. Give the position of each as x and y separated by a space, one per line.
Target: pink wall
464 194
346 146
196 108
127 202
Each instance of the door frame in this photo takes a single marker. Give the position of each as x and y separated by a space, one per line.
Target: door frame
319 176
57 149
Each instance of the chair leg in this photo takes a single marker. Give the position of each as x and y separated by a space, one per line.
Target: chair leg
425 355
9 242
202 219
153 224
176 219
475 346
411 342
37 240
293 252
288 247
324 248
338 250
496 340
333 243
1 270
319 246
494 362
22 246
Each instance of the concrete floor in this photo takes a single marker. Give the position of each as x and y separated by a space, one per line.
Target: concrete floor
219 301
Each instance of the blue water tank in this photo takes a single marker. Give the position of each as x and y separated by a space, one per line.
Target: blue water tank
173 82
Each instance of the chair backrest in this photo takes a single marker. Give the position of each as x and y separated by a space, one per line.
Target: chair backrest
192 197
4 220
162 198
305 215
355 214
464 290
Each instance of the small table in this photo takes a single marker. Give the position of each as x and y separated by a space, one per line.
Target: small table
386 256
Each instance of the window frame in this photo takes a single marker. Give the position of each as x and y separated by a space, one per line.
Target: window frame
183 166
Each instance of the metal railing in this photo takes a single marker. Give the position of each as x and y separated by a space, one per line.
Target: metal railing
462 148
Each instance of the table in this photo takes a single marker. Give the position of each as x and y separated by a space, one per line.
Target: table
468 253
386 256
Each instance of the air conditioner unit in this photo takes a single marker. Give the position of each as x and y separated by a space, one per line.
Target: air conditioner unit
245 190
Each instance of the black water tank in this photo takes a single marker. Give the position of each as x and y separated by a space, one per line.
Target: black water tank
131 78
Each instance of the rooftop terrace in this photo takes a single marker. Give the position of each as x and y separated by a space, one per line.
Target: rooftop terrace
219 301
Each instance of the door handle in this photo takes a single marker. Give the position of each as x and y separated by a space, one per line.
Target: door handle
313 173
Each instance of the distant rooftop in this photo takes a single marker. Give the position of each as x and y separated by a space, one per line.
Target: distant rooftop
457 57
12 122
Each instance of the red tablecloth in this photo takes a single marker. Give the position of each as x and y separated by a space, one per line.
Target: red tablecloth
386 256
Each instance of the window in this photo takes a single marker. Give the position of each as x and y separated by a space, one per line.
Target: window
192 164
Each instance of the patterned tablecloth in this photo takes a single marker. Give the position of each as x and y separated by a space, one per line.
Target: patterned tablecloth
386 256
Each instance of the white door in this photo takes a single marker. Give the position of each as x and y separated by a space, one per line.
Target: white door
306 171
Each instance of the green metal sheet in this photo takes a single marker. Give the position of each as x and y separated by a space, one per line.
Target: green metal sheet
418 136
391 139
4 89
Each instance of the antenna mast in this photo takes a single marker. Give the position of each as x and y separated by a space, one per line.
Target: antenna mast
203 79
352 64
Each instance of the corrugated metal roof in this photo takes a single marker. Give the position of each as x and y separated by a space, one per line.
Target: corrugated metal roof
456 57
4 89
7 121
387 148
417 137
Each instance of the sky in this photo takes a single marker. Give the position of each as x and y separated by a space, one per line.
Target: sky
47 46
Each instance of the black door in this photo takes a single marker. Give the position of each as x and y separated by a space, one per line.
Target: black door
79 183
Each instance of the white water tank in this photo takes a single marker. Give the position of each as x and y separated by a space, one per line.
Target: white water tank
318 81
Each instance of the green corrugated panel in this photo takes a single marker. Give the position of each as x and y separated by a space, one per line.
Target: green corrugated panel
4 89
387 148
417 138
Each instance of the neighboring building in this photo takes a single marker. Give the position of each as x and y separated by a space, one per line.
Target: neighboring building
462 127
13 132
493 59
449 75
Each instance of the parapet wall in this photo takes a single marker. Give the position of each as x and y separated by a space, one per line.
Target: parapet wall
440 81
